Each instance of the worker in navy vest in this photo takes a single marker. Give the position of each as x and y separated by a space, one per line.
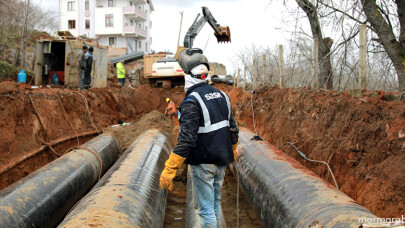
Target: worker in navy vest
207 140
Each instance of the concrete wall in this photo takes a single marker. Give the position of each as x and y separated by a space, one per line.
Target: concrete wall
98 31
66 15
101 28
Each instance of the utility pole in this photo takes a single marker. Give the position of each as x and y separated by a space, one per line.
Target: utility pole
181 21
206 43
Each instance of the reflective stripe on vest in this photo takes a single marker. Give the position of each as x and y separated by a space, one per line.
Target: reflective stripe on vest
228 103
208 127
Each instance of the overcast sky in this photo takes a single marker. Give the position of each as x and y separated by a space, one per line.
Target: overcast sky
251 22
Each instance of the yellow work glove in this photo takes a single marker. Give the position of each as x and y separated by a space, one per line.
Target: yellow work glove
234 150
171 166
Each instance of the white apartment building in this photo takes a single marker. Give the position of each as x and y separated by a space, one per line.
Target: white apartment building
114 23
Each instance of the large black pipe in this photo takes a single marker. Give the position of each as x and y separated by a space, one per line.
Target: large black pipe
44 197
228 79
286 194
192 217
129 194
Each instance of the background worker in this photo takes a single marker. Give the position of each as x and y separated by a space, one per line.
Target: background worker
121 72
170 109
208 136
89 67
81 66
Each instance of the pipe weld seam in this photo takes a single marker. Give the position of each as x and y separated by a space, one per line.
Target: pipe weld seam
98 157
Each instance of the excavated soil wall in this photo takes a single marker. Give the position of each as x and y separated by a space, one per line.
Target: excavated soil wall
363 139
32 118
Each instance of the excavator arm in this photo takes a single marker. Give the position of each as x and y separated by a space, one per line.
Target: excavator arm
221 32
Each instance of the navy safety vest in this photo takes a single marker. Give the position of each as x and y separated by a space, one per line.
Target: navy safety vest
213 142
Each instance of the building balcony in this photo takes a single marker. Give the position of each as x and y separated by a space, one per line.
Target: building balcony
135 31
134 12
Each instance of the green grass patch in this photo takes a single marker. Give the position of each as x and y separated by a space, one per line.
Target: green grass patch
8 70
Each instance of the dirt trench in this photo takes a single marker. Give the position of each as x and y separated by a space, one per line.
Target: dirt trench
363 138
29 118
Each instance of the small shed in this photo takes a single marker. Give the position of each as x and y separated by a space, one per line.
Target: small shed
59 56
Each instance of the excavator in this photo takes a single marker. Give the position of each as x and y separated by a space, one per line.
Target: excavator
164 70
222 33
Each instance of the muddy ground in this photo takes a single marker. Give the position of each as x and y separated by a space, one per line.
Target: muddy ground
362 138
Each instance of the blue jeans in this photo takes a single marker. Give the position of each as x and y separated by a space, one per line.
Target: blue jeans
122 81
207 182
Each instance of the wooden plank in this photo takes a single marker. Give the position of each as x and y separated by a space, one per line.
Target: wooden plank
315 51
244 79
281 65
363 57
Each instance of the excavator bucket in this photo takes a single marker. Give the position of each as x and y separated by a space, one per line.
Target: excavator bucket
224 34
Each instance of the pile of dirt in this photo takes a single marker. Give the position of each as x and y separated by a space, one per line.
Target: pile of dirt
128 133
362 138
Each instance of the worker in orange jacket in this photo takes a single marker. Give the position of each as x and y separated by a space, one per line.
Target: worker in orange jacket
171 109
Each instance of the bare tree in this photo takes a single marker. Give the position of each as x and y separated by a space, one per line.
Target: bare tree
20 21
325 66
22 41
380 18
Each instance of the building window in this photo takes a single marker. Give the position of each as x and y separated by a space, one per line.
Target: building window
71 24
146 28
87 24
130 3
112 41
109 20
87 5
71 6
132 22
111 3
146 47
139 25
140 45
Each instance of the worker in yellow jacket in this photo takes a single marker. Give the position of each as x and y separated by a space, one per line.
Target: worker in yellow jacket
121 72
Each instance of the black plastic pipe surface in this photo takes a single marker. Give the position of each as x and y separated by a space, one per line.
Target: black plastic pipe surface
44 197
129 194
192 217
286 194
